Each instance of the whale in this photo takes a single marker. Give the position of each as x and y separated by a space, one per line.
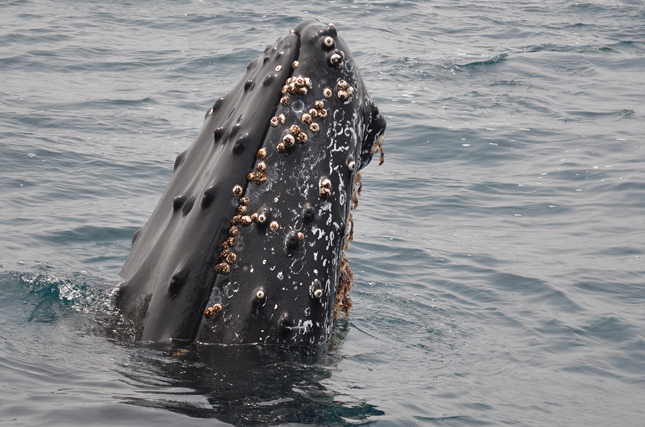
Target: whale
247 243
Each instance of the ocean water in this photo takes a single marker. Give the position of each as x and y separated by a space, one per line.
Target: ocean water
498 255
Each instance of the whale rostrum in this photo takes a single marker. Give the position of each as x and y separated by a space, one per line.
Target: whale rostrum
246 245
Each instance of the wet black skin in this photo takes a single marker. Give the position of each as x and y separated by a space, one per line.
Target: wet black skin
169 276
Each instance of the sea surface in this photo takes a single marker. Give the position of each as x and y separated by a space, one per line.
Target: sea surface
499 252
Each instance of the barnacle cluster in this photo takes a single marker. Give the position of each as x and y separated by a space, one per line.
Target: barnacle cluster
296 86
345 91
212 311
241 219
260 176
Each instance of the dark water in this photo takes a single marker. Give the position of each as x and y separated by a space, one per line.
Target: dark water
499 251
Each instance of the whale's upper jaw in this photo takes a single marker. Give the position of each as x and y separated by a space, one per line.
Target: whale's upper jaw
276 282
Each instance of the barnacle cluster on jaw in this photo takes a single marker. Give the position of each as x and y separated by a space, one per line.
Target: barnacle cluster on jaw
297 85
228 256
258 177
325 188
345 91
212 311
293 135
318 112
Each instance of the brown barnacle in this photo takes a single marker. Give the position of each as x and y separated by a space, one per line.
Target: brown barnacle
235 220
224 253
285 89
274 226
275 121
314 127
262 153
302 138
237 191
212 311
284 101
342 84
308 82
250 176
262 217
222 268
300 81
350 91
306 119
327 93
325 183
282 118
295 64
288 140
233 231
260 178
245 200
246 221
325 193
322 113
301 235
242 209
281 147
342 95
294 129
313 113
261 167
336 60
254 217
303 91
319 105
293 89
231 241
231 258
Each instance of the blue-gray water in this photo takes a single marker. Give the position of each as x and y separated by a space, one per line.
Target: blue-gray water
499 251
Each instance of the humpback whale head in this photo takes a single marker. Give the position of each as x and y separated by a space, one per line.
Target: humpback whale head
246 244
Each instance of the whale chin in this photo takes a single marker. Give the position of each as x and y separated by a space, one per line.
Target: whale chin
246 245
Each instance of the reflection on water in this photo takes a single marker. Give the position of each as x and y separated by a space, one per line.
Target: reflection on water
240 385
246 384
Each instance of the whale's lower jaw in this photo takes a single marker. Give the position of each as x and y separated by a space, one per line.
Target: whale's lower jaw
246 244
